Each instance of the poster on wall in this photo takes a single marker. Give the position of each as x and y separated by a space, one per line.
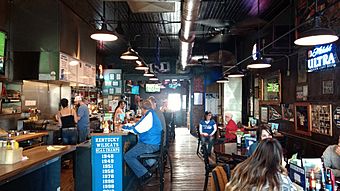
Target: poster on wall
264 114
336 116
322 119
212 99
302 118
273 114
63 67
288 112
327 87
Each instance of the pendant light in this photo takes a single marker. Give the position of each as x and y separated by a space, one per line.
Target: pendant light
104 34
130 54
153 78
259 63
236 74
141 65
317 35
148 74
222 80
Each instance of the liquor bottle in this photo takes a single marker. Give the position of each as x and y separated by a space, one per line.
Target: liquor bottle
329 185
312 181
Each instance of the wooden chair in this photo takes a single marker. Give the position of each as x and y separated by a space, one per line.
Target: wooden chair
208 166
167 158
220 177
198 140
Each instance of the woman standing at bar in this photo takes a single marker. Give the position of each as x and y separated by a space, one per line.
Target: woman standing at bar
262 170
119 111
67 119
207 129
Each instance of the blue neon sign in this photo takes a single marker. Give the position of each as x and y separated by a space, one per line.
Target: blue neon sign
322 57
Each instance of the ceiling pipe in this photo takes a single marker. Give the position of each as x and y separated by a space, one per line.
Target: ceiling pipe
187 34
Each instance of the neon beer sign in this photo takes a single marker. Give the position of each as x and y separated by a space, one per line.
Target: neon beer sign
321 57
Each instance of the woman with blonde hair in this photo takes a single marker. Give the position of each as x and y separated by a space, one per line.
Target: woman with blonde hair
262 170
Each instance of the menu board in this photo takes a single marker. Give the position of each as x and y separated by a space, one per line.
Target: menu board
63 67
84 73
107 162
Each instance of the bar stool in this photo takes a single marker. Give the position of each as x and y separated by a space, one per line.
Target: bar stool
159 157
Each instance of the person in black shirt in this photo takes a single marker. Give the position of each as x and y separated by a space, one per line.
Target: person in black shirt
67 119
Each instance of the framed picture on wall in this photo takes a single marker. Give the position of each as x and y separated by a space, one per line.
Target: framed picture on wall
302 118
327 87
111 91
198 98
264 114
288 112
118 76
111 76
115 83
321 116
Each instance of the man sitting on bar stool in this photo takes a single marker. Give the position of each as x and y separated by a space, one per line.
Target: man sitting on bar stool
149 131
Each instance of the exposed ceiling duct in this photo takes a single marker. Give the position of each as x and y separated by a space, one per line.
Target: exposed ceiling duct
187 34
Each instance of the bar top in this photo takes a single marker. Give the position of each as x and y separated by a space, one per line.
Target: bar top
36 156
121 133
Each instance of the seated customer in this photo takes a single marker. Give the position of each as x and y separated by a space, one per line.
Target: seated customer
331 157
149 131
262 170
230 128
207 129
262 132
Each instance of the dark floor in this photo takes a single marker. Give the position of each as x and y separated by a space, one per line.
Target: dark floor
188 168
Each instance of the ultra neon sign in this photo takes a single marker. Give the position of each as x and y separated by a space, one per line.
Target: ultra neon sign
322 57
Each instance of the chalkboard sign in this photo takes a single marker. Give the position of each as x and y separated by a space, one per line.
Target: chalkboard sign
107 163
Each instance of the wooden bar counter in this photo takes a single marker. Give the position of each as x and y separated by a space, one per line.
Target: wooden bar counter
41 171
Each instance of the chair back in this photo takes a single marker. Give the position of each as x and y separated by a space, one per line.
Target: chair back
198 133
219 178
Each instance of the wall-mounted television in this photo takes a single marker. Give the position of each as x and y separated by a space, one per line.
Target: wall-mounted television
135 90
2 52
152 88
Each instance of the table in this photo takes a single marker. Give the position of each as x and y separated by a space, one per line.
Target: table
41 171
229 149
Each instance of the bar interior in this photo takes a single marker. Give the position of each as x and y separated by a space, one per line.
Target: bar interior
108 95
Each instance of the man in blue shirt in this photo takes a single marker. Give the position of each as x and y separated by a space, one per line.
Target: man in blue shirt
83 119
149 131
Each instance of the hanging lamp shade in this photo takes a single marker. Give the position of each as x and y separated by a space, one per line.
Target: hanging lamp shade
130 54
317 35
141 65
258 64
153 78
147 74
236 74
222 80
104 34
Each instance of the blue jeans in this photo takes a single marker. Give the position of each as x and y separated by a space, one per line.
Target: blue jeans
69 135
83 133
208 141
131 157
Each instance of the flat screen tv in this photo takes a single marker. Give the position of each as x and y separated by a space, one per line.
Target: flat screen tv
2 52
135 90
152 88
